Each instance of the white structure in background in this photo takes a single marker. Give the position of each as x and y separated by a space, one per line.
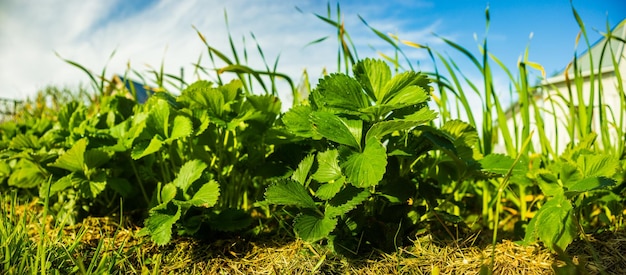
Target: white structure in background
553 100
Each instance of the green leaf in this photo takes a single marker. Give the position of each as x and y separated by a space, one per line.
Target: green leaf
448 217
190 171
408 96
398 191
190 224
345 201
121 186
92 187
356 129
297 121
553 224
5 171
568 172
439 139
65 113
590 184
182 127
159 223
231 90
168 193
59 185
383 128
26 174
215 101
74 158
373 74
367 168
500 164
464 139
158 119
549 183
340 130
137 128
598 165
289 192
245 114
302 172
22 142
269 105
581 147
339 92
194 94
408 88
207 195
422 116
328 166
328 190
464 134
95 158
144 148
312 228
203 118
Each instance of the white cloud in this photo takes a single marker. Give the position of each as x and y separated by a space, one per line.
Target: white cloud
30 32
87 32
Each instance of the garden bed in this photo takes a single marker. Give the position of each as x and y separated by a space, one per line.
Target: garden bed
105 240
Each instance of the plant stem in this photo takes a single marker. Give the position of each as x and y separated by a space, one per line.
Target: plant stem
143 189
501 189
41 263
523 209
486 198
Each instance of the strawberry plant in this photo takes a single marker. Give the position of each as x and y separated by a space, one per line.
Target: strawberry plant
361 184
68 145
233 136
577 184
180 154
213 140
189 189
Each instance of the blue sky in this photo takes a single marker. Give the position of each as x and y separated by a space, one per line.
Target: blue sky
145 33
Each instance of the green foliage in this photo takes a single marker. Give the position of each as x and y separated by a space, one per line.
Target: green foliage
580 178
191 157
313 228
178 197
367 168
289 192
159 224
366 163
362 162
554 224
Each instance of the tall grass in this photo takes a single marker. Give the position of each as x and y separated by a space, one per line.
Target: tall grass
32 243
504 127
509 126
579 107
238 64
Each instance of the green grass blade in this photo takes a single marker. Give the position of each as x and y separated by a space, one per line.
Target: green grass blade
459 48
459 89
95 83
390 41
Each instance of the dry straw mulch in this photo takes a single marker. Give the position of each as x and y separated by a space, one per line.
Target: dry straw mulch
599 253
282 255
